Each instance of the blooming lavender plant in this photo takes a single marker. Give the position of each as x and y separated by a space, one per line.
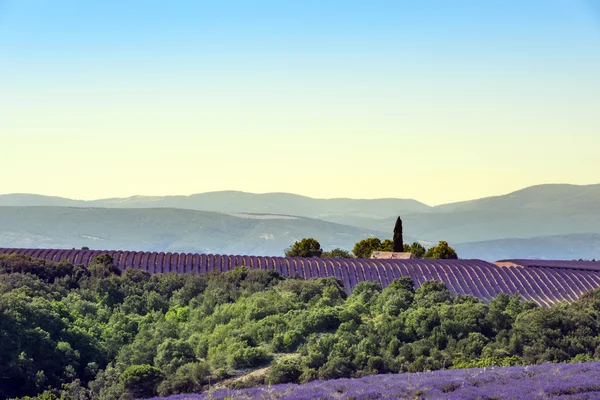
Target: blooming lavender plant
546 381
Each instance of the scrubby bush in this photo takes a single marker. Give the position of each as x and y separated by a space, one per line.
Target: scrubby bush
285 370
96 333
141 380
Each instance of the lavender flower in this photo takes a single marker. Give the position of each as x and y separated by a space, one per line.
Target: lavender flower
546 381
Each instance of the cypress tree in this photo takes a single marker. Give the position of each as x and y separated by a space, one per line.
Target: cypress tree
398 242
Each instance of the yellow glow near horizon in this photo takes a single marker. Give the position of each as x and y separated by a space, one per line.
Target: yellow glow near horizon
431 119
89 147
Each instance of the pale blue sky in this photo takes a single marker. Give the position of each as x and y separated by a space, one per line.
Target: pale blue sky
434 100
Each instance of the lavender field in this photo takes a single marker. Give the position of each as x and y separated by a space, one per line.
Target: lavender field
547 381
478 278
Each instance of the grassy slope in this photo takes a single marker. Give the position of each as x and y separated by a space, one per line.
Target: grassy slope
166 230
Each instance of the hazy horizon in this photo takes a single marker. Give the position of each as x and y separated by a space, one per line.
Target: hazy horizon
289 193
433 101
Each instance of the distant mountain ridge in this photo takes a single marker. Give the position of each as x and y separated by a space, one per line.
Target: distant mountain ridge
547 197
234 201
575 246
497 226
555 197
167 229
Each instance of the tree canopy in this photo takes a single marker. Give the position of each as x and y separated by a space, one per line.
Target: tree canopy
416 249
441 251
80 333
307 247
398 241
337 253
365 247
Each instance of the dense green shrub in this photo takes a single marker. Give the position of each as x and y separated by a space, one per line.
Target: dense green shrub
188 378
285 370
141 380
98 333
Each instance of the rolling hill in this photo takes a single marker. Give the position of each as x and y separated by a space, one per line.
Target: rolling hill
233 201
557 247
557 220
538 211
541 198
167 229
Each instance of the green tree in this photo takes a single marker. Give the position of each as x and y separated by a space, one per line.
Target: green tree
365 247
307 247
285 370
397 239
103 266
141 380
68 333
188 378
337 253
416 249
442 251
387 245
172 354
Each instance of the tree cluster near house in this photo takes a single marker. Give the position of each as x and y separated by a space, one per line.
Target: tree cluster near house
78 333
309 247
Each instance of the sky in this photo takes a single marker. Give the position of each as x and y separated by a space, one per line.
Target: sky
433 100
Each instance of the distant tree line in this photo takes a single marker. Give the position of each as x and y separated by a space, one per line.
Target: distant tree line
309 247
79 333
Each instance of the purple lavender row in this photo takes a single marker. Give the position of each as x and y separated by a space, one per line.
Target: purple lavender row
546 381
584 265
544 285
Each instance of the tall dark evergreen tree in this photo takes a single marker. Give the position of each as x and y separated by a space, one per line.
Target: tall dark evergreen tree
398 242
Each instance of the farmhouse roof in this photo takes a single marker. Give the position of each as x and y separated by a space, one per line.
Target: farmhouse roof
391 255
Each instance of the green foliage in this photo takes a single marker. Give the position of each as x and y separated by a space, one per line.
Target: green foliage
398 242
141 380
337 253
386 245
285 370
74 333
488 362
172 354
103 267
441 251
304 248
189 378
416 249
365 247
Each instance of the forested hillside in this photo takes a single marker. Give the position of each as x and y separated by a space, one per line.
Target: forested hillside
100 333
